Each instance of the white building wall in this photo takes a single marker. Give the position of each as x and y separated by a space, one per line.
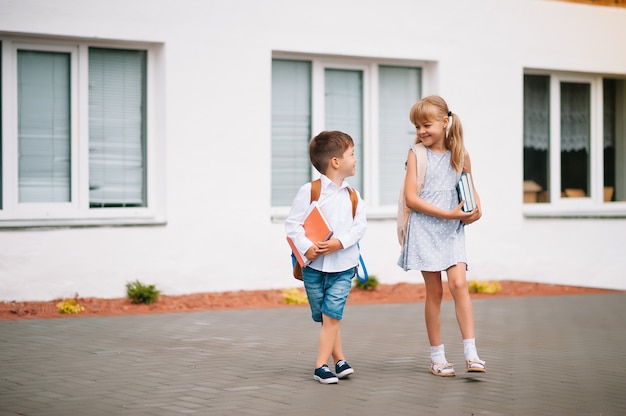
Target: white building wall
216 156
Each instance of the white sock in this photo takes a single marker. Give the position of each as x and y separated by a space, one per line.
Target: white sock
469 348
438 354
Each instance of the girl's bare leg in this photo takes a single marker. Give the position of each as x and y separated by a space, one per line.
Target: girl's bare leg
432 308
457 283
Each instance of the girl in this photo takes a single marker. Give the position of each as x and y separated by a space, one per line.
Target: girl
435 238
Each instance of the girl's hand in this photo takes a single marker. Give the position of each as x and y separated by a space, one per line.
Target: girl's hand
473 216
457 213
465 217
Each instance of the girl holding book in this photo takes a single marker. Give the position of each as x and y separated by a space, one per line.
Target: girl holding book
435 235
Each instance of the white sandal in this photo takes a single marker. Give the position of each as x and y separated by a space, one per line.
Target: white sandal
442 369
475 366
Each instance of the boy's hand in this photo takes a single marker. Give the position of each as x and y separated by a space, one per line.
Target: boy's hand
323 247
329 246
311 254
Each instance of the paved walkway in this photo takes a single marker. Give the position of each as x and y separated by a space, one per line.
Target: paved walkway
563 355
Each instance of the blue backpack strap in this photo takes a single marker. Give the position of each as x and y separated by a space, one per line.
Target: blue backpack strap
365 276
355 201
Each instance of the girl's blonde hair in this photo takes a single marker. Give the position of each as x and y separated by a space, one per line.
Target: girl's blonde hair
434 108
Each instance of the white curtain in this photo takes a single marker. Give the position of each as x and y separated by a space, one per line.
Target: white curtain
575 116
537 112
117 113
609 121
44 135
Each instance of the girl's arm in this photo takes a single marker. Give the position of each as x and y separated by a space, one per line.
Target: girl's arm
416 203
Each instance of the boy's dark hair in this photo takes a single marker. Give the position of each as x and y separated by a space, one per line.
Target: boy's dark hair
325 146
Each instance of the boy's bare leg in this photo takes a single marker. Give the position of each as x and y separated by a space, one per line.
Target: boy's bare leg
432 308
328 336
338 349
457 283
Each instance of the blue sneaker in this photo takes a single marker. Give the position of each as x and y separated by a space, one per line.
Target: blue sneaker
343 369
324 375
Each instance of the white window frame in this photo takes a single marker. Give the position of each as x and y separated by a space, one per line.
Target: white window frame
77 211
371 140
318 109
592 205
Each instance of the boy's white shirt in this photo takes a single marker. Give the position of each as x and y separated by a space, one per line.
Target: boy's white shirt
336 205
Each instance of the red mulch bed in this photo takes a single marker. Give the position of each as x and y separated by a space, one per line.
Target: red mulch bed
258 299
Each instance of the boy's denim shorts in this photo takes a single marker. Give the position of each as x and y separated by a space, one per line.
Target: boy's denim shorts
327 292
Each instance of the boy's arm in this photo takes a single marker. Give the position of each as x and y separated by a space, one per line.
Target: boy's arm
357 229
295 219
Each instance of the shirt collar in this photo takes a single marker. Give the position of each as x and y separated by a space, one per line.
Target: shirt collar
326 182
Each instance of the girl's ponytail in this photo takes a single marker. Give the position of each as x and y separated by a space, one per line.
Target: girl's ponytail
454 141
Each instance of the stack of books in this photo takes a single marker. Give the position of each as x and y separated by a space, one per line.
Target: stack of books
465 189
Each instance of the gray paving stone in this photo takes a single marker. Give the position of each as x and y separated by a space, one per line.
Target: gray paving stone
561 355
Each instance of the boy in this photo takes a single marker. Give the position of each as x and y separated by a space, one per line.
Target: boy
332 263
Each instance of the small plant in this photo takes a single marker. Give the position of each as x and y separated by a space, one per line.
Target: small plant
70 306
484 287
370 283
137 292
294 297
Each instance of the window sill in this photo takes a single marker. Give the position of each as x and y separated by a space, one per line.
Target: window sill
75 223
544 210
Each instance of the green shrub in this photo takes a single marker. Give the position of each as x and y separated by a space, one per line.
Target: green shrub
70 306
370 284
137 292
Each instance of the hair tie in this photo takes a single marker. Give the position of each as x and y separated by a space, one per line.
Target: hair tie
449 124
449 113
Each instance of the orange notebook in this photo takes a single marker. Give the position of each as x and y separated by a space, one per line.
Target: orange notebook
316 228
301 260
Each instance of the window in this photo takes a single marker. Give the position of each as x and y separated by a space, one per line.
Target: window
74 134
368 100
574 144
117 130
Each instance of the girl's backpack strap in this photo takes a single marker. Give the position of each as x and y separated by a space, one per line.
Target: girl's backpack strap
419 150
422 161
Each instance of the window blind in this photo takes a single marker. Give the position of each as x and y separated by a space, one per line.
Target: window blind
291 128
399 89
344 112
44 120
117 128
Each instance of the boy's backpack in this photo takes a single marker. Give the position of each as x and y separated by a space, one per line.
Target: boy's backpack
419 150
316 189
